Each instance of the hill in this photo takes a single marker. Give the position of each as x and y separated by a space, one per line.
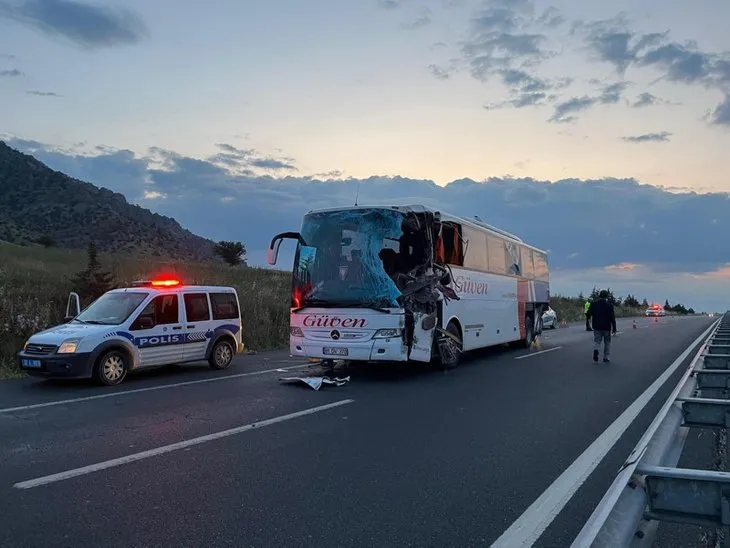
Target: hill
38 203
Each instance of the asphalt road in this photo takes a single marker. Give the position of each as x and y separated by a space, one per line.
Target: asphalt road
404 456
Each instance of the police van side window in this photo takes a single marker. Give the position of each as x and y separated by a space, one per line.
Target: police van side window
196 307
162 310
224 306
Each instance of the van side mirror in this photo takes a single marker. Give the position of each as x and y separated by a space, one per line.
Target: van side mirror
73 306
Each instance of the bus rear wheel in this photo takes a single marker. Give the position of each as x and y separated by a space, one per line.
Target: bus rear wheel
529 332
451 347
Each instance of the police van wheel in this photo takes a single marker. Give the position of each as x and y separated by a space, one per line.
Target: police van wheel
222 355
111 369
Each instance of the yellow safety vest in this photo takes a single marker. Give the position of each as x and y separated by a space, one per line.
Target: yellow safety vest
586 307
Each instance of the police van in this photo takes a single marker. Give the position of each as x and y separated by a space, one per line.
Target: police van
151 324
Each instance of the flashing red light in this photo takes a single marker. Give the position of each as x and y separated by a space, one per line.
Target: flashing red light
165 283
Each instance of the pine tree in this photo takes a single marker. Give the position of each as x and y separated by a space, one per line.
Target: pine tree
93 282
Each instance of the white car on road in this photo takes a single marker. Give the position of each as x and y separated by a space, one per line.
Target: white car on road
549 319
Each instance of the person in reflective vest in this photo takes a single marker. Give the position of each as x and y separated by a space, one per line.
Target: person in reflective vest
587 307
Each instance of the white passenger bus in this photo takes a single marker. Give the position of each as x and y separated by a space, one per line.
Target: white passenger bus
399 283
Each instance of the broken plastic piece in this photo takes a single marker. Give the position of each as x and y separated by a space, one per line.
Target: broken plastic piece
316 382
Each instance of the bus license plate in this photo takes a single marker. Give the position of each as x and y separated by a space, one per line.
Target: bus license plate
334 351
31 363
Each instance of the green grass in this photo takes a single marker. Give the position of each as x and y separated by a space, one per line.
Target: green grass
35 282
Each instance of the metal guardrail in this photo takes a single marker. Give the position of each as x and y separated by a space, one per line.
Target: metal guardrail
649 488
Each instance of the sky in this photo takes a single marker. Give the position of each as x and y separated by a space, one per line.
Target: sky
595 130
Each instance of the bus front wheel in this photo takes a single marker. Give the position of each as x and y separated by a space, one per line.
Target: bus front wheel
451 346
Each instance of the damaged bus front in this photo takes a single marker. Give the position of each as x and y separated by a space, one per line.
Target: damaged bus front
366 287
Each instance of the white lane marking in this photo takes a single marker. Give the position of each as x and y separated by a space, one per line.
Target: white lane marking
536 353
147 389
61 476
532 523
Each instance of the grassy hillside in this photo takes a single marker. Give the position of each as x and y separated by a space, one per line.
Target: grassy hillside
35 282
38 203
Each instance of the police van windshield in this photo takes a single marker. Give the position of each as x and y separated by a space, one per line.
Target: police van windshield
111 308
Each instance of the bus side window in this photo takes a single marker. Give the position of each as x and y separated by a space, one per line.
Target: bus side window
541 267
453 253
476 252
528 269
512 258
495 250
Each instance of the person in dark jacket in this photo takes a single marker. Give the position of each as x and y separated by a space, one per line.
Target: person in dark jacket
603 317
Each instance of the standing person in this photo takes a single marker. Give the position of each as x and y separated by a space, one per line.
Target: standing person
586 306
604 325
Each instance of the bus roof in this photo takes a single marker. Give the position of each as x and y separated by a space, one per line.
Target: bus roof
472 223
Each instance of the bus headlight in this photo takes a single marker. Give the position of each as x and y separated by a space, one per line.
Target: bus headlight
387 333
67 347
296 332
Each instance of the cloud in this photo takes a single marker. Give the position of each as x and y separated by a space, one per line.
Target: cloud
11 73
389 4
550 18
720 273
646 99
506 35
508 41
423 19
42 93
661 137
243 160
566 111
440 73
526 90
613 42
87 25
622 267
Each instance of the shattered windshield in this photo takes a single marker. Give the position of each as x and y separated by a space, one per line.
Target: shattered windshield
343 263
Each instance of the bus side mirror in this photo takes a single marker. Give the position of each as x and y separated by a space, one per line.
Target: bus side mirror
276 243
274 252
73 306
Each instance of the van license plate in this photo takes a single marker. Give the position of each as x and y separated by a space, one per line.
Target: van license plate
334 351
31 363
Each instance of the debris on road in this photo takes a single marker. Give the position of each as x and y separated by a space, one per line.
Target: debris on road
316 382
